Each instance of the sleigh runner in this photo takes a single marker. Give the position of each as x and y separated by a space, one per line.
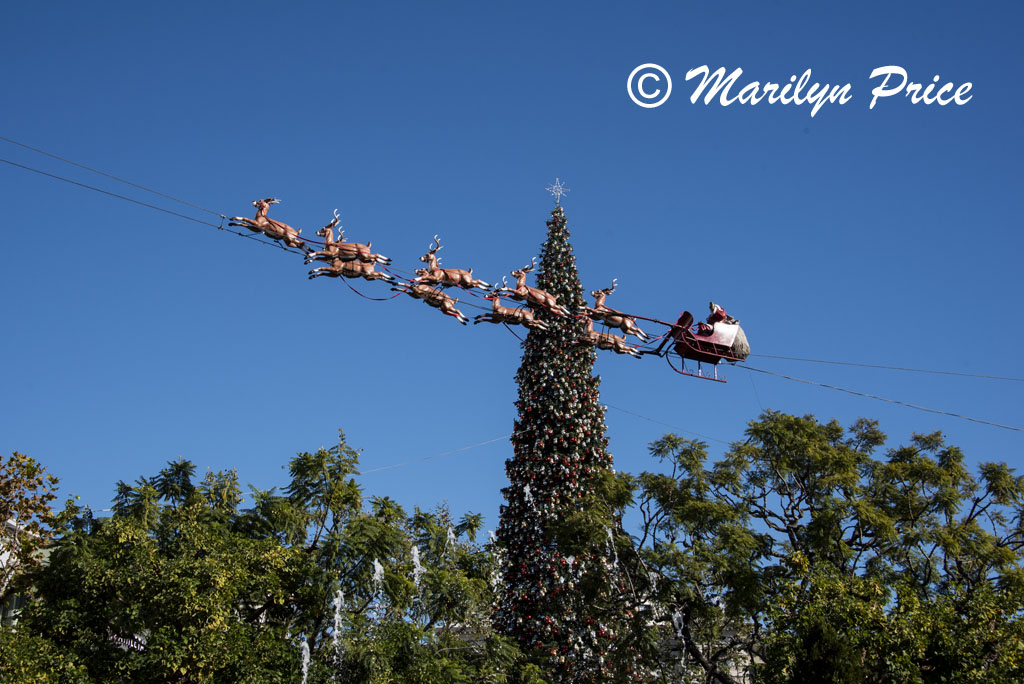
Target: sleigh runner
719 338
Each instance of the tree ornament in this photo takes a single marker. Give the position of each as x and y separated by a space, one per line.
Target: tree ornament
558 450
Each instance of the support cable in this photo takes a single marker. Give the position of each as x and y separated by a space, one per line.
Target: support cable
427 458
277 244
891 401
150 206
110 176
897 368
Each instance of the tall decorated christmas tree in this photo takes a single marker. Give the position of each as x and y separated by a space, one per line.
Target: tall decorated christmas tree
561 567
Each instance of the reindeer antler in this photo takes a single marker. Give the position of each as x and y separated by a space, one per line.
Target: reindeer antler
605 291
527 269
336 221
436 246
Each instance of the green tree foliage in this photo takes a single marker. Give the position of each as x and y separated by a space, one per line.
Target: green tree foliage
26 518
183 585
28 659
802 557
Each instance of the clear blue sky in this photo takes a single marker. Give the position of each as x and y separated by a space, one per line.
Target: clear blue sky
888 236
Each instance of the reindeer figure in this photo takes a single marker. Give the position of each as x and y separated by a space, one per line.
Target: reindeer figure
606 341
532 295
346 251
433 274
611 317
434 298
330 251
350 269
269 227
502 314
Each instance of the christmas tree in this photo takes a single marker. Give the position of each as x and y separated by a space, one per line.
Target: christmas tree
560 580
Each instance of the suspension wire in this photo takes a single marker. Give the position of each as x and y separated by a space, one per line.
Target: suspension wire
846 363
410 279
248 236
465 302
674 427
151 206
112 177
756 395
392 466
404 275
427 458
222 216
384 267
891 401
295 251
898 368
111 194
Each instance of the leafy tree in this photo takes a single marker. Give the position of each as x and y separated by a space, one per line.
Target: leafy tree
28 659
26 491
801 557
182 585
168 593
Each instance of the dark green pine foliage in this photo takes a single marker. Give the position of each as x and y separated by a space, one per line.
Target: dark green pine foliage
559 579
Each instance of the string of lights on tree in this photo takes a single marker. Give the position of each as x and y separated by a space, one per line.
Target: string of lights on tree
558 593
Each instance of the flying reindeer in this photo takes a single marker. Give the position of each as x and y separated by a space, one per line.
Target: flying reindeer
339 266
608 341
532 295
433 297
502 314
611 317
433 274
346 251
269 227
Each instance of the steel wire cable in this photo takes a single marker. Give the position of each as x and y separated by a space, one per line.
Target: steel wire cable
149 206
111 176
437 455
896 368
295 251
891 401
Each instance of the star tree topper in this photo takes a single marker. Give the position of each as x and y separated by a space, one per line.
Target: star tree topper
558 189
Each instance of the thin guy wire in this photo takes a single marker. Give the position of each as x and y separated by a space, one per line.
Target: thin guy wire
427 458
891 401
112 177
276 244
674 427
149 206
899 368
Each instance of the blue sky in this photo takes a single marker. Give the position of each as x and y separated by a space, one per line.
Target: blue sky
888 236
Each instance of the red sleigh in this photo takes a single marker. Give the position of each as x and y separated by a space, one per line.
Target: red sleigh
719 339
